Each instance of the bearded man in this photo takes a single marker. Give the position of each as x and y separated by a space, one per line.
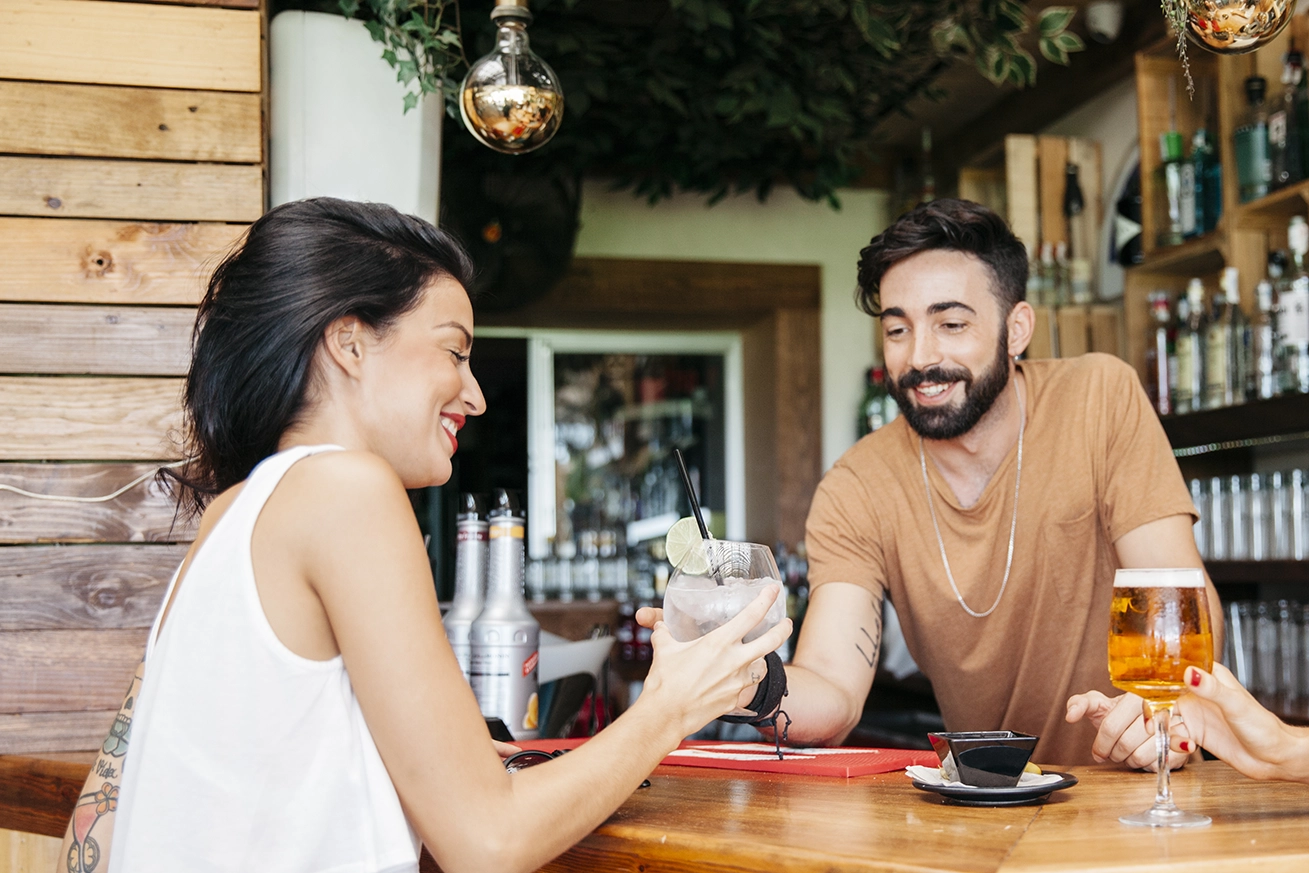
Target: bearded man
993 512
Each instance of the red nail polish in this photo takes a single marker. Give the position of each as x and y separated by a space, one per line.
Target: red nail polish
1184 746
1195 678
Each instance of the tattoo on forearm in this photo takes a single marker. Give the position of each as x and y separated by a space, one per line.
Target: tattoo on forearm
870 646
84 851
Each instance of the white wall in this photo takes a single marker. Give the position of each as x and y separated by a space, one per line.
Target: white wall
784 229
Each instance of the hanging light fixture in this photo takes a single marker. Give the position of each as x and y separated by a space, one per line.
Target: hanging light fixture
511 100
1234 26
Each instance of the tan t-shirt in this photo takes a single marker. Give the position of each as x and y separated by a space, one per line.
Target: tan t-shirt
1096 464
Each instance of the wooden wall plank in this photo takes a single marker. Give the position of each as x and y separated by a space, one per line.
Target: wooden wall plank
1052 160
230 4
142 514
148 190
107 340
68 670
1021 188
1074 331
84 587
42 118
76 418
130 44
30 853
37 795
35 732
79 261
799 415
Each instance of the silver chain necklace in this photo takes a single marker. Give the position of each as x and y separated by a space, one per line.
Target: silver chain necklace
1013 523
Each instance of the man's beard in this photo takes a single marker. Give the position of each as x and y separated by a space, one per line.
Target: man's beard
948 422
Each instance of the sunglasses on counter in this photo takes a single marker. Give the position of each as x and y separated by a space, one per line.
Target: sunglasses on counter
531 757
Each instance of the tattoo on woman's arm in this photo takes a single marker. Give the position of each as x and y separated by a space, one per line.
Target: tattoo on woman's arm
84 851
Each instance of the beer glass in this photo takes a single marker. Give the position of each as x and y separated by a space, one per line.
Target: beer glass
1159 626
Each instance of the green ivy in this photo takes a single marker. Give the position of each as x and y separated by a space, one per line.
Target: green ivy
718 96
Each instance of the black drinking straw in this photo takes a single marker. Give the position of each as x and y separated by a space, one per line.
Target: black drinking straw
690 494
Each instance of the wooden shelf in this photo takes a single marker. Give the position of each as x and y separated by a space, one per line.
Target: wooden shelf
1278 207
1197 257
1262 418
1253 572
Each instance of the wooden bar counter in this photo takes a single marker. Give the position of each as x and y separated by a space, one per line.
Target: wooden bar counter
730 822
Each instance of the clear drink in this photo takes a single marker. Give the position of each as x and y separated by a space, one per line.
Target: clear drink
714 582
1159 626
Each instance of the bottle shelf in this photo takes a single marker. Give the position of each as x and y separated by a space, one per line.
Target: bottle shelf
1277 416
1253 572
1196 257
1277 208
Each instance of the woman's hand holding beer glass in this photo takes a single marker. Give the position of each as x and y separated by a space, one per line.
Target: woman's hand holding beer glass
1220 716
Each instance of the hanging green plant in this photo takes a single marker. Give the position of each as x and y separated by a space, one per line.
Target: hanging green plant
719 96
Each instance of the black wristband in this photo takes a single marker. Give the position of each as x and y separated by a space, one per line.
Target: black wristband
768 694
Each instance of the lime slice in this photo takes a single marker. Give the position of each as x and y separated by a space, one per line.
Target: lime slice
685 549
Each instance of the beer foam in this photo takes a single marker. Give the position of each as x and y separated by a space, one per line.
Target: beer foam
1182 577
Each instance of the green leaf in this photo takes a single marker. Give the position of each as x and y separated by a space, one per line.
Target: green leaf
1069 42
1023 69
411 101
389 57
1053 20
1052 52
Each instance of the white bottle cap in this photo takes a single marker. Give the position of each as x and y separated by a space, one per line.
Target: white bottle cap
1195 292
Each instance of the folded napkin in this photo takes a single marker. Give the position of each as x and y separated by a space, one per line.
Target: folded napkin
932 776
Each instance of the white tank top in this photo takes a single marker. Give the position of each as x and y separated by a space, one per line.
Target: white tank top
243 755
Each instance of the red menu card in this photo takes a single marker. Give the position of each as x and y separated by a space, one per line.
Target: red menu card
762 758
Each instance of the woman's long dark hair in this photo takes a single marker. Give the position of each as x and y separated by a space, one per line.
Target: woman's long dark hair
301 266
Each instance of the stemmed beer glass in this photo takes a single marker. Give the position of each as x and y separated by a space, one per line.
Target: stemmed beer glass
1159 626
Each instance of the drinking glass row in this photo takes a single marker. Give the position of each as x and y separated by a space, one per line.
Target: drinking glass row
1255 517
1267 647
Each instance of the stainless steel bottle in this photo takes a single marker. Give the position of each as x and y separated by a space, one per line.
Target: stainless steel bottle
505 637
470 578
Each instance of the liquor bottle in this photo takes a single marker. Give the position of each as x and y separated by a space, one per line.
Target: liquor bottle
1159 353
872 411
1207 173
1251 142
470 578
506 639
1049 273
1221 351
1062 291
1079 261
1242 342
1264 353
1190 350
1171 230
1293 312
1285 136
1127 222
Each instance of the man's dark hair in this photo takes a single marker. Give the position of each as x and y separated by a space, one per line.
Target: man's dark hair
952 226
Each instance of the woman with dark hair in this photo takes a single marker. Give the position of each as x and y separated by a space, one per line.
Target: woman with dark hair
299 708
